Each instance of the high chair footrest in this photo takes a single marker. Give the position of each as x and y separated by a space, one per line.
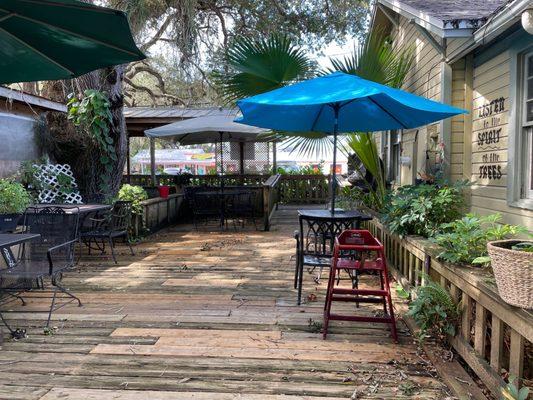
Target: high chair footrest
361 292
353 299
340 317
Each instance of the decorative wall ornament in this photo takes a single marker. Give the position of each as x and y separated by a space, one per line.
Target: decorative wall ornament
58 184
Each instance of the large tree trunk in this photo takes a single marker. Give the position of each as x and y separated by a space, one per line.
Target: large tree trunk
67 144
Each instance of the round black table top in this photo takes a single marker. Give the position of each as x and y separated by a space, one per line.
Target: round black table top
12 239
338 216
75 208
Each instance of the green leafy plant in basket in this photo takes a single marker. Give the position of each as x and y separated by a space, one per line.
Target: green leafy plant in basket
464 241
434 311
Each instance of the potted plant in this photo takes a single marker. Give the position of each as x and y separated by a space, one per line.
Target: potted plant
14 200
512 263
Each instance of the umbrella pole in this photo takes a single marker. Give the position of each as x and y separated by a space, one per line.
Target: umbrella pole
222 199
333 175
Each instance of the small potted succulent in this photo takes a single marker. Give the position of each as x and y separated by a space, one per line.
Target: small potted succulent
512 263
14 199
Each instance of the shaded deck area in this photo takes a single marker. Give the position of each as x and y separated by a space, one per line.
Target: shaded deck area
205 315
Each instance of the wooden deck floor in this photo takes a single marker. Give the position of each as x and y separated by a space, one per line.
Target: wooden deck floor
204 316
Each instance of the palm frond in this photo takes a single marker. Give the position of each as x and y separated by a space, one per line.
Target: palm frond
375 59
258 66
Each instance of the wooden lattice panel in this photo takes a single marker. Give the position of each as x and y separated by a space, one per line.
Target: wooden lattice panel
48 175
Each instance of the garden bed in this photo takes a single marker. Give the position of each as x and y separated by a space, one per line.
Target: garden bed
494 337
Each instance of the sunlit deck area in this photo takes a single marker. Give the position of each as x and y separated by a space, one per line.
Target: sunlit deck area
205 315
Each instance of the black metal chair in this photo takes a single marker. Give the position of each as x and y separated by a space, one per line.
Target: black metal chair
49 256
206 207
107 227
242 207
314 246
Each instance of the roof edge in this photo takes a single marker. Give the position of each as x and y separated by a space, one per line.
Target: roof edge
443 28
30 99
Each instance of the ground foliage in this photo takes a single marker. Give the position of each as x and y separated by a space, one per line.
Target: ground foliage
434 311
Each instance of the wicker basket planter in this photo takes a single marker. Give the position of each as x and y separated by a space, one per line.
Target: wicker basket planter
513 270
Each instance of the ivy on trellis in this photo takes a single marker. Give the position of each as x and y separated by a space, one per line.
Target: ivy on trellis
92 113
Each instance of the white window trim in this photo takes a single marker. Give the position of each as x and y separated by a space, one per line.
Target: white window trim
516 148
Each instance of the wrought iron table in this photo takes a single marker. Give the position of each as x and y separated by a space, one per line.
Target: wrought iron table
316 237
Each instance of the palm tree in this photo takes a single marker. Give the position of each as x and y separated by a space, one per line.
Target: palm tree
258 66
264 65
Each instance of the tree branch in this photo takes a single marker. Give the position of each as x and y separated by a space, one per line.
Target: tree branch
166 23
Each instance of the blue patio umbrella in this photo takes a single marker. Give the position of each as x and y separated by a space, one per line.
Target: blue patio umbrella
340 103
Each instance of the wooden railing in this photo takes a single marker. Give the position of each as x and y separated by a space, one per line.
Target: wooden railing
270 199
229 180
210 180
146 180
492 335
301 189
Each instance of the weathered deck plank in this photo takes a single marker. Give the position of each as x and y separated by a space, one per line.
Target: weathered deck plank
204 316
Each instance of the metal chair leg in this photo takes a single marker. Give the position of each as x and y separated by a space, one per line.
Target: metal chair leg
112 245
129 244
51 307
300 281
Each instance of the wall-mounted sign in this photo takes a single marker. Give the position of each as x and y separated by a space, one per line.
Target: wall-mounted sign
489 139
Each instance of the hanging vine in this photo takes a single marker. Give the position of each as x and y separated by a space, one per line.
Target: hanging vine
92 113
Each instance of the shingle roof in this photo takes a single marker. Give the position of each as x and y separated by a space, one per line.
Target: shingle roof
175 112
451 12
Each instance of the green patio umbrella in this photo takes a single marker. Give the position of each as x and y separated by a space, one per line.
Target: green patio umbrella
61 39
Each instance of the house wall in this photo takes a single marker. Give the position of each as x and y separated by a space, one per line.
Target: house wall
17 136
483 145
423 79
495 130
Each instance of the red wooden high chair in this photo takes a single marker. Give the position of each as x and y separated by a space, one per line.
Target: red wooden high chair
358 251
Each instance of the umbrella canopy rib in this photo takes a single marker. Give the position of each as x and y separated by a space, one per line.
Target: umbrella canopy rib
40 53
80 6
388 112
44 23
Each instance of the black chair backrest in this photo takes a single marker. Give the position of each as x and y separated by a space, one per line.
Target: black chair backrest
121 216
204 203
317 237
56 226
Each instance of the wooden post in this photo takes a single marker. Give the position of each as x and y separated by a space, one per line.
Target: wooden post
241 157
128 159
152 161
274 158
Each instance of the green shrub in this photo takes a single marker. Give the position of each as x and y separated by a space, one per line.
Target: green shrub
135 194
14 199
422 209
465 239
434 311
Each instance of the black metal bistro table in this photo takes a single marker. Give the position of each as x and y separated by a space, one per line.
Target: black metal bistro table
316 238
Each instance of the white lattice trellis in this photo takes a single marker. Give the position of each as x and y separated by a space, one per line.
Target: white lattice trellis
48 174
